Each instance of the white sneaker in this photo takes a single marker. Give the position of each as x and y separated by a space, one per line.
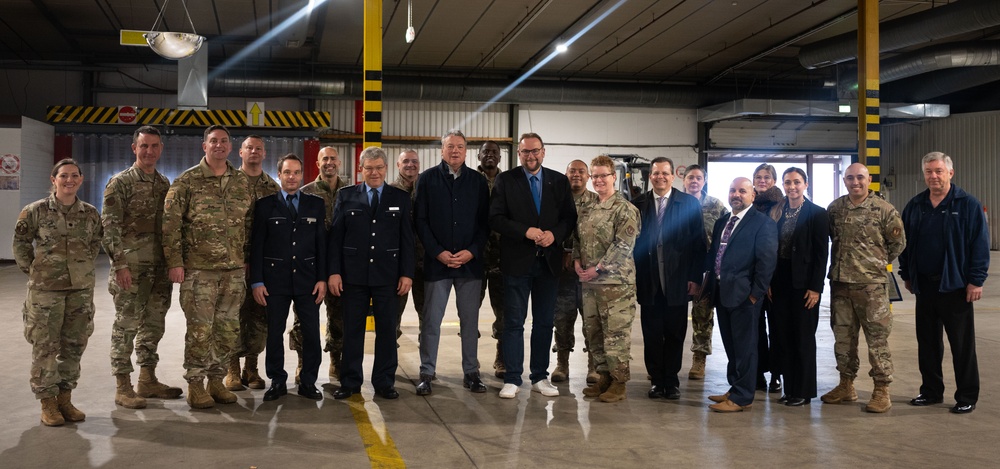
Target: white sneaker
545 388
508 391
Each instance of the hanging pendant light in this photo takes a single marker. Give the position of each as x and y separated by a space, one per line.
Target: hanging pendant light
174 45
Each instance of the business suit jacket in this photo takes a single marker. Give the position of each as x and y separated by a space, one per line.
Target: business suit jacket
810 245
749 260
372 251
451 215
288 255
512 212
673 251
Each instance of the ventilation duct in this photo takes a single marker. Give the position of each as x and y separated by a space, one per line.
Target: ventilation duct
930 59
941 83
936 23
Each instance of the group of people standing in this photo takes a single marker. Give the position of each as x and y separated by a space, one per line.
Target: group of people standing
245 248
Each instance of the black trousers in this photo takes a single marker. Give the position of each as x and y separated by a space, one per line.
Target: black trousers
950 311
277 317
767 356
663 331
793 336
385 306
738 328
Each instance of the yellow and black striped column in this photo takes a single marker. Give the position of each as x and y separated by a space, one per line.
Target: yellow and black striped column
373 74
869 126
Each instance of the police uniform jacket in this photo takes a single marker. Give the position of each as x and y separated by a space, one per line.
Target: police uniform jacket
367 249
288 255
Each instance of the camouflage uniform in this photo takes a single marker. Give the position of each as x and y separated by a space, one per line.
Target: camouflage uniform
132 220
56 246
206 225
569 300
866 238
493 278
334 315
418 273
605 234
702 317
253 316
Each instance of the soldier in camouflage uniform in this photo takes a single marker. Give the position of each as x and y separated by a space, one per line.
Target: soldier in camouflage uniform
253 317
867 234
605 236
132 220
326 185
206 225
569 301
407 170
56 240
489 159
702 314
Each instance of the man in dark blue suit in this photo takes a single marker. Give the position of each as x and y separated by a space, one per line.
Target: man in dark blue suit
742 260
532 209
288 265
371 262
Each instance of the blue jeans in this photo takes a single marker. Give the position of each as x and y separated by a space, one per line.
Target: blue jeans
542 286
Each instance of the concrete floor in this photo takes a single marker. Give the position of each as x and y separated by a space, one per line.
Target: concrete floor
454 428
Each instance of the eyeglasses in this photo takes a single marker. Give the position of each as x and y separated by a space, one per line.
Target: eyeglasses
601 176
532 152
373 169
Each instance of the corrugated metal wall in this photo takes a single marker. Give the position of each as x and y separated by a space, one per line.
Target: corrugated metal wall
970 139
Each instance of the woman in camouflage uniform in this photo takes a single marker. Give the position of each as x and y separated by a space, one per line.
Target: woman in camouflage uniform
602 255
55 242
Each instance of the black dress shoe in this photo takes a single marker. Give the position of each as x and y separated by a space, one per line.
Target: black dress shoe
655 392
309 391
783 399
671 392
924 400
474 383
275 391
387 393
424 387
796 401
345 392
775 386
961 408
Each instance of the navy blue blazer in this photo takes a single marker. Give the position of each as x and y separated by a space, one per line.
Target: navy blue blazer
749 260
288 256
371 250
681 238
512 212
451 215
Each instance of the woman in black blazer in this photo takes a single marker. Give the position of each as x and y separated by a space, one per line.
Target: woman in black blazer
803 247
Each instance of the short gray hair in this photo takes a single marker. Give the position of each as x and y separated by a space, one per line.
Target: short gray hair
373 153
937 156
455 133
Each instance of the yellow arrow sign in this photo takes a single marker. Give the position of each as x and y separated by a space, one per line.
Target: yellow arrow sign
254 110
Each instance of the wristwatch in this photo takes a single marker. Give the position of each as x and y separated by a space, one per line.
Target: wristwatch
599 270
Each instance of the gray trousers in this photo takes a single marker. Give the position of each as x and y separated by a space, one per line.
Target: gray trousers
435 301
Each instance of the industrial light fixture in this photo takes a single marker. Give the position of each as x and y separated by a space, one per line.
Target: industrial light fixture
844 107
411 33
174 45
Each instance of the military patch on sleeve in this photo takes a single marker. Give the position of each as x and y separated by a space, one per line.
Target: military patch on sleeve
111 202
22 226
897 231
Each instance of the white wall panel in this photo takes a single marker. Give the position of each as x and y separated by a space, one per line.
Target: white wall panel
970 139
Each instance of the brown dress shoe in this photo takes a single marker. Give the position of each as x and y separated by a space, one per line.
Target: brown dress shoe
719 398
729 406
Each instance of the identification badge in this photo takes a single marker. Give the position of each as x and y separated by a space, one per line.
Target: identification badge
310 220
393 209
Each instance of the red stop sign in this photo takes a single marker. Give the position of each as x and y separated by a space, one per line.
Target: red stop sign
127 114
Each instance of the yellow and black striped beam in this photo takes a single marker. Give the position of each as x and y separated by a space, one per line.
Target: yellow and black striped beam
869 124
373 74
184 117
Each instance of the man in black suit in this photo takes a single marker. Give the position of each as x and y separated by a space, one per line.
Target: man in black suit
742 260
532 209
669 256
371 262
288 265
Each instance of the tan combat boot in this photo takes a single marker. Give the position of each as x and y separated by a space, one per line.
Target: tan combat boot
69 412
561 373
880 402
233 382
615 392
592 375
125 396
697 366
219 392
251 377
499 369
334 367
197 397
600 387
51 417
148 386
298 369
844 392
